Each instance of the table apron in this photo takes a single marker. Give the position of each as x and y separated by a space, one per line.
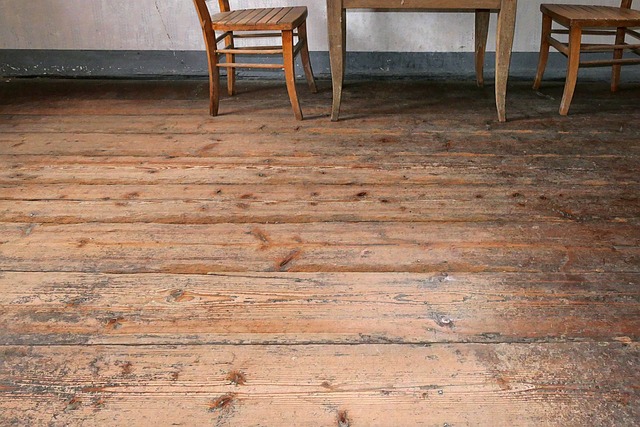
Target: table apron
434 5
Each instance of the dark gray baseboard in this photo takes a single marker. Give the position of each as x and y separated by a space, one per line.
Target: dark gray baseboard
147 64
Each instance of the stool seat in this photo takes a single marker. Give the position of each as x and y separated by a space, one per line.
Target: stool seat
579 20
289 24
266 19
591 16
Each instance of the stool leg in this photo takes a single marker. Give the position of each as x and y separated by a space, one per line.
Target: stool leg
575 38
289 72
231 71
544 50
214 79
617 54
304 56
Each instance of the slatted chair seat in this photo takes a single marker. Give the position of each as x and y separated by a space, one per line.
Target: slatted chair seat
582 20
591 16
272 19
286 23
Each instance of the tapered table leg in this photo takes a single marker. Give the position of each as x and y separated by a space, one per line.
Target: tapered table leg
504 43
482 32
336 19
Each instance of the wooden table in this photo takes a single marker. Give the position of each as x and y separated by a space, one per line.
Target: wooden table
506 10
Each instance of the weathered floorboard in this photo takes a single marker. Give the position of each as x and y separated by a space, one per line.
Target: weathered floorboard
457 171
357 247
376 127
81 309
595 142
294 203
371 385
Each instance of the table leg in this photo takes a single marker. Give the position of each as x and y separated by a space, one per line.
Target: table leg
482 31
336 18
504 44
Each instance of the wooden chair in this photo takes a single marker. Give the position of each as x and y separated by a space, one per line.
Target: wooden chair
283 22
592 20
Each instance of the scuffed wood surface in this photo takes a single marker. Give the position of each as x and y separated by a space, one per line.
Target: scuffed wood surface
419 264
422 170
332 246
260 308
371 385
150 143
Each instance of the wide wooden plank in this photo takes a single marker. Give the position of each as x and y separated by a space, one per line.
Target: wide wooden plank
568 233
371 385
73 308
358 209
597 235
206 204
185 124
419 247
621 195
595 142
548 162
468 171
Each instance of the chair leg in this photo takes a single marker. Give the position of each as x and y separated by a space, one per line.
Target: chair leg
289 72
214 82
617 54
544 50
231 71
304 56
482 31
575 38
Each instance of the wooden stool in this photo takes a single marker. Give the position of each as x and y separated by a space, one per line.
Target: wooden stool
283 22
594 20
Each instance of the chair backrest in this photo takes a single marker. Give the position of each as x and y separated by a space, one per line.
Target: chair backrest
626 4
224 5
203 11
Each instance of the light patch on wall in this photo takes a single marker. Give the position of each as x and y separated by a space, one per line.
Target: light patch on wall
151 25
164 24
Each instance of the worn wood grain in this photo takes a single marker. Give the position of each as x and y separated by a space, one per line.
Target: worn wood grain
621 195
450 143
420 264
375 126
419 247
373 385
73 308
438 171
296 203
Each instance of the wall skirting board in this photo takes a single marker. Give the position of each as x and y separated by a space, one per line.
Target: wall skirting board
140 64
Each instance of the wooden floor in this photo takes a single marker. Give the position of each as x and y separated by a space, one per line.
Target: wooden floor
415 264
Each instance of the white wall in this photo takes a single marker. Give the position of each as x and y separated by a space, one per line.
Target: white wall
172 25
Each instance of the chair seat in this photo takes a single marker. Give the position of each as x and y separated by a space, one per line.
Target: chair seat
591 16
277 18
